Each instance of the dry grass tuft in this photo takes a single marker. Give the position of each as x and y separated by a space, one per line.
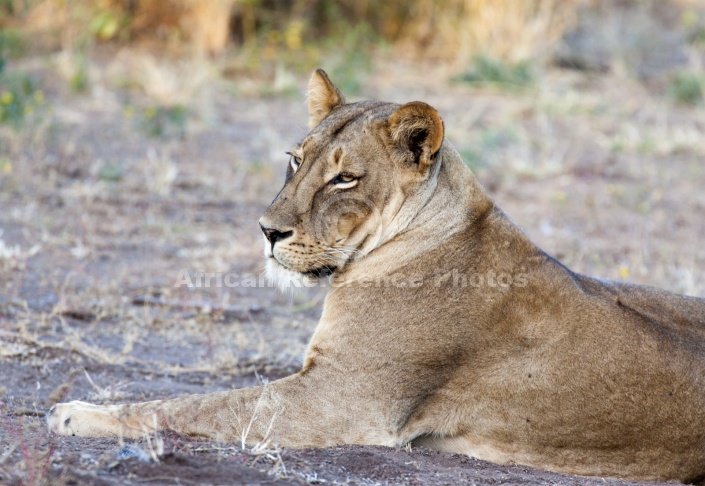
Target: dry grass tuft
509 30
167 81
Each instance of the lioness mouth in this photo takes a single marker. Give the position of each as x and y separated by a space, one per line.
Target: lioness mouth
320 272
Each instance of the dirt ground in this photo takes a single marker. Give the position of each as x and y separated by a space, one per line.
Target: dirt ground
99 219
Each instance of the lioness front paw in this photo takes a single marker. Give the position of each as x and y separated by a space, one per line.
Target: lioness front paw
87 420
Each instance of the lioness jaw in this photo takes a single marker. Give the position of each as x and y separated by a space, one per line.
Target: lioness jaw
446 327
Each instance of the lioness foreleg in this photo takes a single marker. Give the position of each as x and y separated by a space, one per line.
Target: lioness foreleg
291 412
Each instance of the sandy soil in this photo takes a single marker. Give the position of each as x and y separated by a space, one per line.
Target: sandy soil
98 220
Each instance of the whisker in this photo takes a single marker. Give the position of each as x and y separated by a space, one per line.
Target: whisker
344 250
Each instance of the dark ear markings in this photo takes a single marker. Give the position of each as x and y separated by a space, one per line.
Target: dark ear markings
416 143
417 129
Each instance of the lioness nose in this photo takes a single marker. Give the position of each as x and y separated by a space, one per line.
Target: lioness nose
275 235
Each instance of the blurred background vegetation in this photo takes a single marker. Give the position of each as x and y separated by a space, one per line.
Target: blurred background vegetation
508 29
496 42
502 42
279 38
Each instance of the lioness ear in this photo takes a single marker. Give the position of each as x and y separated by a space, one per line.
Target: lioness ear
323 96
417 129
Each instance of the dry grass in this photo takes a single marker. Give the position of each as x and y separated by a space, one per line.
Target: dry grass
502 29
204 24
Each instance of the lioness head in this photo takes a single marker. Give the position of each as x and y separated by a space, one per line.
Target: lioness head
352 184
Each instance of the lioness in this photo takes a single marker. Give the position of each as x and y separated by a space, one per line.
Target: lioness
537 366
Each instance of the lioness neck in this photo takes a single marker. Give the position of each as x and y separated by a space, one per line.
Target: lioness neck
449 202
456 187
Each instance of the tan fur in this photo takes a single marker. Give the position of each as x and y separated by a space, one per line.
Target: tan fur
538 365
323 97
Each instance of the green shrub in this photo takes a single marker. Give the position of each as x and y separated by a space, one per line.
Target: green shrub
163 121
11 46
111 172
352 60
687 88
19 99
487 71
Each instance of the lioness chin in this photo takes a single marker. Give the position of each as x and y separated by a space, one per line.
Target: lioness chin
446 326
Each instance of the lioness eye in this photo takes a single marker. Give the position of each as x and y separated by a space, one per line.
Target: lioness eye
344 181
295 162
